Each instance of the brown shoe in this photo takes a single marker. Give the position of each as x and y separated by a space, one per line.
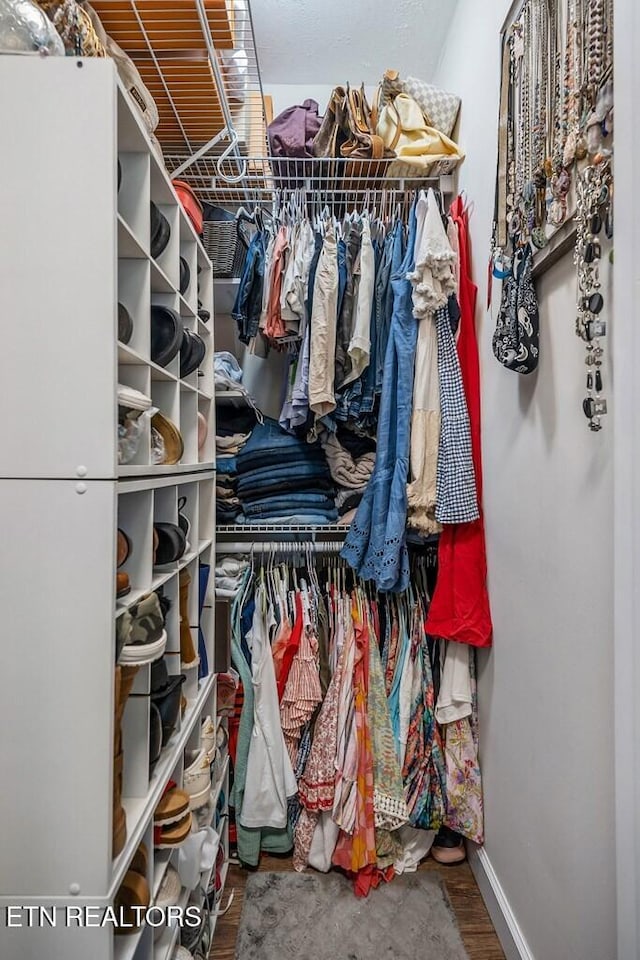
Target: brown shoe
173 805
173 834
123 682
171 818
188 654
123 585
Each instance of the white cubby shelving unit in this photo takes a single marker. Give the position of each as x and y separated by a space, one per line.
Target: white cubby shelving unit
72 246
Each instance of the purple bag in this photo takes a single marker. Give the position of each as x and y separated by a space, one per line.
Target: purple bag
291 134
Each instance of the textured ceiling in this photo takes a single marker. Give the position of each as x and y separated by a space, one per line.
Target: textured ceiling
332 41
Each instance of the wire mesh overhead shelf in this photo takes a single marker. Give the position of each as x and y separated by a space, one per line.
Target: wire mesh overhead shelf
330 180
198 58
199 61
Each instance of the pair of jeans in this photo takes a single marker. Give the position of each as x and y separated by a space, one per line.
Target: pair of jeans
390 261
298 470
248 302
261 461
282 486
227 465
262 466
375 545
269 437
315 503
310 519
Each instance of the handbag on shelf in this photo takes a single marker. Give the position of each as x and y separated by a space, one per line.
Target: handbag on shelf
291 135
417 127
348 131
516 339
333 128
439 107
421 149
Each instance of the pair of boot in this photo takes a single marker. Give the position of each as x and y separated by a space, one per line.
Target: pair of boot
124 677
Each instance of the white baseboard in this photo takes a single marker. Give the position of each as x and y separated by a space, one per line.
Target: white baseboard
509 933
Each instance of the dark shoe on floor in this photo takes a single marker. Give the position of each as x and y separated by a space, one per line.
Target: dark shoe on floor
448 847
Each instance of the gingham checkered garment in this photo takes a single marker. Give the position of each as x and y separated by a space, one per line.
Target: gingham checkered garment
456 497
440 108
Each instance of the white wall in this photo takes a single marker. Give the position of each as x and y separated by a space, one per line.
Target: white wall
546 689
338 40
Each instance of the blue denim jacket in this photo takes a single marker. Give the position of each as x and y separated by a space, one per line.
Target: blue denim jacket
375 545
248 304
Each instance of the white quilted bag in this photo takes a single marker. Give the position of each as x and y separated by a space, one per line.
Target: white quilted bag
440 108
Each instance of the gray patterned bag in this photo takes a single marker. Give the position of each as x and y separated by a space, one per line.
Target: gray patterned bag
440 108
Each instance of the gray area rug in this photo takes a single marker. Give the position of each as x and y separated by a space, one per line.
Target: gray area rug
313 916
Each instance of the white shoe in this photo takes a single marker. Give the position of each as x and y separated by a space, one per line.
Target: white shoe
168 896
197 780
181 953
169 893
208 738
141 653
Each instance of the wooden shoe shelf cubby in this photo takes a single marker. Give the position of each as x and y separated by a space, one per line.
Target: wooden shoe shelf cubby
73 246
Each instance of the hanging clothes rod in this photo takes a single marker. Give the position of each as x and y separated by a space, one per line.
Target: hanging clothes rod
280 546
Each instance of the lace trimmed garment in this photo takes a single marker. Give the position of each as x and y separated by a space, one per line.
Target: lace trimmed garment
433 276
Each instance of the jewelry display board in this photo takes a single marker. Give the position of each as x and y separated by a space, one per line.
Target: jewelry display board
556 114
554 180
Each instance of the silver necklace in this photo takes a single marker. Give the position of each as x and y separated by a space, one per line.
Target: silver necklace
594 198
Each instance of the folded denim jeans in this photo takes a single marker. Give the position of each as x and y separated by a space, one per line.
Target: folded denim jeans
227 464
305 473
269 436
269 462
227 514
293 505
283 487
311 519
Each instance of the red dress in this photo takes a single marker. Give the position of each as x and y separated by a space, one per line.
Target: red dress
460 609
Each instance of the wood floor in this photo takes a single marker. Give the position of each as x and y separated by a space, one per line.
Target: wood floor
475 926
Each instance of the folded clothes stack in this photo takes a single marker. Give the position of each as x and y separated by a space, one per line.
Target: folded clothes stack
229 574
232 432
351 459
284 480
227 374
